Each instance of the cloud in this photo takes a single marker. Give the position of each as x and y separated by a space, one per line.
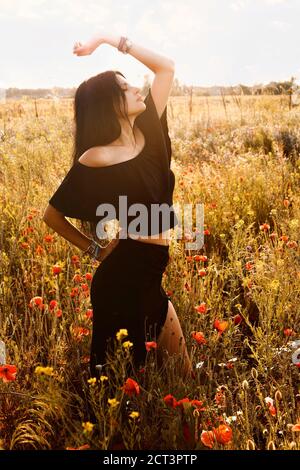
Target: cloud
238 5
275 2
71 11
280 25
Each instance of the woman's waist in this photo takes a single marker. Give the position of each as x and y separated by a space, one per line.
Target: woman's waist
162 238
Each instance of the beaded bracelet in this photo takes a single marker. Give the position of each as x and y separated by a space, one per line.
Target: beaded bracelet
124 45
93 249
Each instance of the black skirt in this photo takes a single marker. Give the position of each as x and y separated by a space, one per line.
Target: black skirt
126 292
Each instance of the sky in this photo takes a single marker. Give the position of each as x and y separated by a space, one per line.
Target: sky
212 42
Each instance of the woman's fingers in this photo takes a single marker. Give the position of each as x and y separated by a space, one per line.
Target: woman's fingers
77 46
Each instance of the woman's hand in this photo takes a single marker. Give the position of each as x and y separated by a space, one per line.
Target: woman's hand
87 48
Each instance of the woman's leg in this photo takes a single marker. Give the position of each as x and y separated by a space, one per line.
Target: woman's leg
171 339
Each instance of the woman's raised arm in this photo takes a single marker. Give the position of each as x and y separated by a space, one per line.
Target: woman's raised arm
154 61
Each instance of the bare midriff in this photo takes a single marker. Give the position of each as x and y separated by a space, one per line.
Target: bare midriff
162 238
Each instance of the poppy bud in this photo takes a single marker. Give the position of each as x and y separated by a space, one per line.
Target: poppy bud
245 385
250 445
271 446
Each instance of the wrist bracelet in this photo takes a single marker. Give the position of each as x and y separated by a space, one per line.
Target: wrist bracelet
93 249
124 45
121 43
97 251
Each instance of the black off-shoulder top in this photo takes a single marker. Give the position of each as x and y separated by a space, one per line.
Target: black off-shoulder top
146 178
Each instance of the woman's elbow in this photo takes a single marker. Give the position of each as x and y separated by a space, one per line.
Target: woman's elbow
51 215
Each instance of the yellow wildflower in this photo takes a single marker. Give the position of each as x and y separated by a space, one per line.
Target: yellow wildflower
113 402
103 377
127 344
44 370
134 414
87 427
121 334
92 380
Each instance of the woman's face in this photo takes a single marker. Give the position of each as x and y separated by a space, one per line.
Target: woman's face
135 101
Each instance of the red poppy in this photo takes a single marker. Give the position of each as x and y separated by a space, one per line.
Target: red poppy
272 409
150 345
75 259
220 398
131 387
289 332
223 434
273 235
85 359
292 244
199 337
74 292
237 319
77 278
170 401
264 227
220 325
52 304
56 269
25 245
49 238
8 372
88 276
79 332
249 266
39 250
296 427
89 313
180 403
198 404
201 308
229 365
202 272
200 258
208 438
37 302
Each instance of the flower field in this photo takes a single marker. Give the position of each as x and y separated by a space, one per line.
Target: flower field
238 298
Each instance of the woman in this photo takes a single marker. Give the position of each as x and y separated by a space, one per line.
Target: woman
122 148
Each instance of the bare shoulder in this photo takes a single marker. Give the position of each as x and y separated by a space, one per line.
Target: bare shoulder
95 156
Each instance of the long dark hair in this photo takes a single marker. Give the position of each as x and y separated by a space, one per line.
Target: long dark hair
98 103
